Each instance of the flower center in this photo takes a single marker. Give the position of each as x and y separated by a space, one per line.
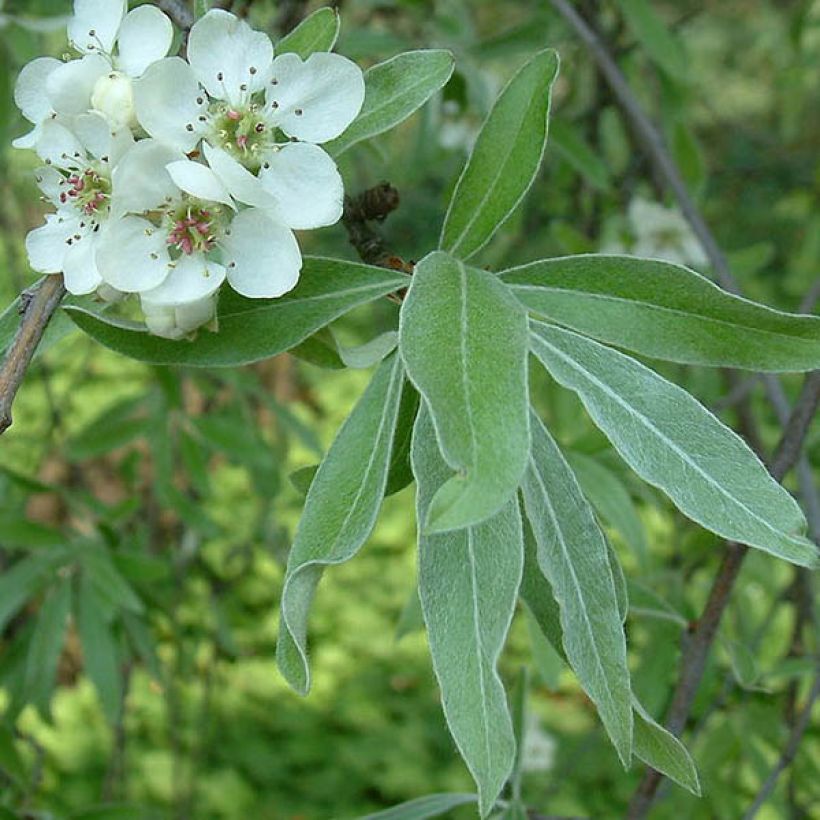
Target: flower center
88 191
193 228
243 133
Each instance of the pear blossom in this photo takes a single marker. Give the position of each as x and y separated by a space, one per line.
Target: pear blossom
117 47
76 179
261 119
176 234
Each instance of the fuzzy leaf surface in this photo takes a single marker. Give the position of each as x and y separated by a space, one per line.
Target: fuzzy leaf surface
463 339
505 159
676 444
340 511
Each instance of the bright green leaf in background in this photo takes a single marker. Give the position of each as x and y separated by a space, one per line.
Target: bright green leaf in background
468 584
318 32
579 154
665 311
674 443
395 89
255 329
463 339
573 555
505 159
654 35
340 511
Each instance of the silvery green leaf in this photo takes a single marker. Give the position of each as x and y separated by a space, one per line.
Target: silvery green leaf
661 750
340 511
317 32
395 89
463 341
505 159
432 805
254 329
468 584
573 555
665 311
370 353
674 443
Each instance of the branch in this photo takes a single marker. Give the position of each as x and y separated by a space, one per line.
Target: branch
179 12
37 307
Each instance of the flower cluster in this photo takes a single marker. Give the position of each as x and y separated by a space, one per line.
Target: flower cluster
170 176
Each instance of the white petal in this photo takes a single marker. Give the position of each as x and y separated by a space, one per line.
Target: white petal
167 99
227 54
191 315
94 133
47 246
51 182
176 322
140 181
199 181
95 23
59 146
145 37
306 184
132 255
193 277
327 89
28 140
30 91
262 256
239 181
71 85
80 268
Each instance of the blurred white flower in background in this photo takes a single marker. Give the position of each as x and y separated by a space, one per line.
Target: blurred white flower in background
538 752
657 232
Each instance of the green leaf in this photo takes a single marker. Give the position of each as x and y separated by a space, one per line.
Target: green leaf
340 511
20 532
395 89
548 663
321 350
11 763
101 659
370 353
318 32
303 478
254 329
411 618
577 152
665 311
468 584
611 500
433 805
662 46
463 340
663 751
674 443
20 583
573 555
400 474
46 645
505 159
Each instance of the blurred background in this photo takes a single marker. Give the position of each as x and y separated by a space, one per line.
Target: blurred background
146 513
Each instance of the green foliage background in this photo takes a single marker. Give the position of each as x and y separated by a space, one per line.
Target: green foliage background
181 477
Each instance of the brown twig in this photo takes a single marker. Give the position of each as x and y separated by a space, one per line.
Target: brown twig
37 308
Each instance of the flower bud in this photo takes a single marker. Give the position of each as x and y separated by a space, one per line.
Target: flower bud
178 321
113 97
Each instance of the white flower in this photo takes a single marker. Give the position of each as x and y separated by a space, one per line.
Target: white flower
261 118
663 233
178 319
117 48
175 234
77 180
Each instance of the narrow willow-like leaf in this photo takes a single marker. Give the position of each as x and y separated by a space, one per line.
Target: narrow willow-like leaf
663 751
318 32
401 471
505 159
573 555
395 89
674 443
340 511
46 645
433 805
20 582
611 500
651 742
660 43
468 585
665 311
254 329
463 341
370 353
